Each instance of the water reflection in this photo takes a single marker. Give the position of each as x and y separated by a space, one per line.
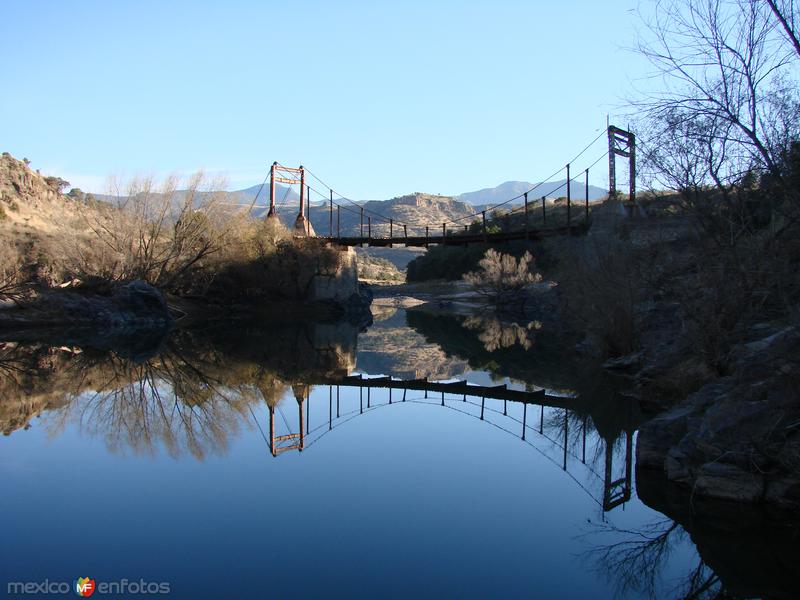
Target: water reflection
544 422
634 559
202 387
495 333
193 392
738 551
742 550
191 397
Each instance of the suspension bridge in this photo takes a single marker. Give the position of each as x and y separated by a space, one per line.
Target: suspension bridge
497 406
525 216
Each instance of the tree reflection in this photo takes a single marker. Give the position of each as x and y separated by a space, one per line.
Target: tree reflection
168 402
636 560
495 334
192 396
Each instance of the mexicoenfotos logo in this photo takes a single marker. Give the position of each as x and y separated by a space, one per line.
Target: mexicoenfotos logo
84 587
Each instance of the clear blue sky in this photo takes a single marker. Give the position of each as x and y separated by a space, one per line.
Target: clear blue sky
377 98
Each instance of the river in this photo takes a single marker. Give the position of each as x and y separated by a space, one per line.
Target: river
241 462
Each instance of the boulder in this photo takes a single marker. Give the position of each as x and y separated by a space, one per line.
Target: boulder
728 482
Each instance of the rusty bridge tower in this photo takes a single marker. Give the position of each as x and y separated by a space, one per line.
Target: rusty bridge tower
279 444
291 176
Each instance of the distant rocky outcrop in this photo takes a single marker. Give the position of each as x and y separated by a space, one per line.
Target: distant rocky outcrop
414 210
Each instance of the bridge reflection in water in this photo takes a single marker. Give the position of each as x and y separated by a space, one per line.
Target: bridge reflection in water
488 404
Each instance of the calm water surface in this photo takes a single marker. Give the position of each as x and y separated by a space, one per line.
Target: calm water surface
181 460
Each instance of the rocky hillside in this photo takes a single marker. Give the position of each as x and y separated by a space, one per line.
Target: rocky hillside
33 215
423 209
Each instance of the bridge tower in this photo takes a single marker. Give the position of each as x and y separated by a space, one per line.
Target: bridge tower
622 143
279 444
617 491
290 176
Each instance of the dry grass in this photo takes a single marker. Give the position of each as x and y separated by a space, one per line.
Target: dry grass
157 232
178 235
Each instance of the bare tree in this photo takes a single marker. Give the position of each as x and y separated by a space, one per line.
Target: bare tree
786 13
158 232
11 280
722 128
720 65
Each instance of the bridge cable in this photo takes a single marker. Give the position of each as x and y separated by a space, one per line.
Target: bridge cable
538 185
578 174
535 187
361 207
258 193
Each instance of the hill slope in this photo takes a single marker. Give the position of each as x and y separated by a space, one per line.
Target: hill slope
510 189
34 216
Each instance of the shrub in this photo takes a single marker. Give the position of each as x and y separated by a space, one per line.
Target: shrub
56 183
10 272
160 234
453 262
503 278
76 194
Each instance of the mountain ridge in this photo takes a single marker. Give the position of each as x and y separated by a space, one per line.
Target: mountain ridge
550 189
410 213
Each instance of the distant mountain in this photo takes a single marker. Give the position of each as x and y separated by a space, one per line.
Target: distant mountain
247 195
416 210
510 189
244 197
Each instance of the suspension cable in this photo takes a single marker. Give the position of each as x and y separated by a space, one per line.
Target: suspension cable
363 209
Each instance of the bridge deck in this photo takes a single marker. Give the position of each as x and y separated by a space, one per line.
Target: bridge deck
459 239
497 392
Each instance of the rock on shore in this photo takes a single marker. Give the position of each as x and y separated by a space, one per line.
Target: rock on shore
737 438
132 304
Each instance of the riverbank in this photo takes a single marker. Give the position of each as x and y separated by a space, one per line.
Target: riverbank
136 304
696 335
459 297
